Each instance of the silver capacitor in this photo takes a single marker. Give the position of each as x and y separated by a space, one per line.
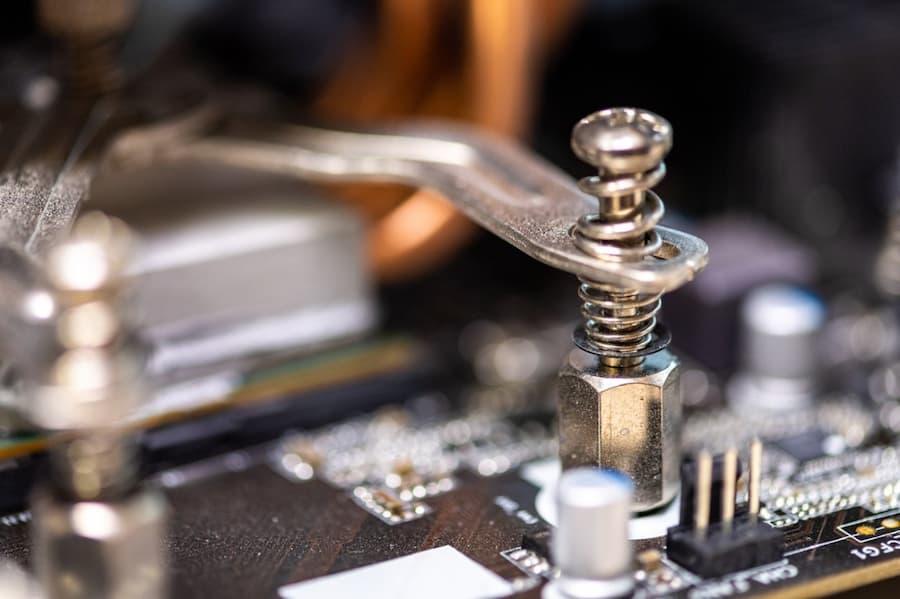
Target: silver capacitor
780 333
590 546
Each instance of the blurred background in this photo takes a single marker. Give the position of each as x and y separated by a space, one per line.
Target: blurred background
785 115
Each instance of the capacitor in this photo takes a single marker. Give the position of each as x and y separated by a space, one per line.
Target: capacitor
590 545
780 334
780 331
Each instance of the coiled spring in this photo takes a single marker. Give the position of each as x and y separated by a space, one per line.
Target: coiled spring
619 323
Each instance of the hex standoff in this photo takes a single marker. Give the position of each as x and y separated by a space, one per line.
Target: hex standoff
754 478
704 491
619 392
728 486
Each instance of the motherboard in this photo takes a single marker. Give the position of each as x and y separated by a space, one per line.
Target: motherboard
436 496
382 299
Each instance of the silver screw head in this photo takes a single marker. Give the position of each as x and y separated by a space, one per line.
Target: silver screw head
622 140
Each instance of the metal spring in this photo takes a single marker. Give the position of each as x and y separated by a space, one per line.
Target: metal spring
620 322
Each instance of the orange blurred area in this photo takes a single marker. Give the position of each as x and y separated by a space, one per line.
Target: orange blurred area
472 60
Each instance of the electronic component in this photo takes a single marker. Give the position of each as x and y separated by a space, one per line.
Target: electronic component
389 508
531 562
713 544
780 332
537 542
590 546
805 446
414 459
844 419
689 485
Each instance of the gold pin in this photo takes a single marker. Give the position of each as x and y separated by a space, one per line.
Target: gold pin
703 491
728 486
754 478
865 530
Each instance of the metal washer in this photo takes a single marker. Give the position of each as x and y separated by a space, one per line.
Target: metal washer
660 340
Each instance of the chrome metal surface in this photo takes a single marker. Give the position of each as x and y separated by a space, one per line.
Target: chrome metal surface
498 184
627 146
96 533
619 396
94 380
111 549
210 289
45 175
623 419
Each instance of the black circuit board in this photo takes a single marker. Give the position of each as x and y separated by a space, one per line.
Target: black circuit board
241 528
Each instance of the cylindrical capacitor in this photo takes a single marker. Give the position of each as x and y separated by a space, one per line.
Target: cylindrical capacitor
780 330
591 546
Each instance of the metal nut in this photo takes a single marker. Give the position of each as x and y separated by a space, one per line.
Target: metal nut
627 420
91 549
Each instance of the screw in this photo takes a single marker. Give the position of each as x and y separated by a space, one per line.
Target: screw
627 146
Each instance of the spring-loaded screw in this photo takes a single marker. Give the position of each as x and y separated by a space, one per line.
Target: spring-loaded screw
627 145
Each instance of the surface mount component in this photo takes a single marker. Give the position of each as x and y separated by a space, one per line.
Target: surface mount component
713 544
590 546
620 397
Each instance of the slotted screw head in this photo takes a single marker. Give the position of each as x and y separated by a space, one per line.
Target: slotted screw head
622 140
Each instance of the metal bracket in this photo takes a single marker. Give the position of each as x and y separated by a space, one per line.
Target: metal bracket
502 186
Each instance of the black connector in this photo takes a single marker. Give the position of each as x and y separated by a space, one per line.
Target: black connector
725 549
715 537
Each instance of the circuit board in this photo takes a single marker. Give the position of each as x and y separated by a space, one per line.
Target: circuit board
267 520
257 511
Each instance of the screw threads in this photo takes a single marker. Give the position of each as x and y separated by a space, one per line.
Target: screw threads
627 146
618 321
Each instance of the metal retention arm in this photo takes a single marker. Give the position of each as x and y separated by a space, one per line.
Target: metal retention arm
502 186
